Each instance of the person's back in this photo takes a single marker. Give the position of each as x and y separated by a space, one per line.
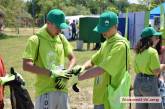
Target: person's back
2 74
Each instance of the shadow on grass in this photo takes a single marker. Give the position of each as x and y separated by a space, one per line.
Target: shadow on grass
4 36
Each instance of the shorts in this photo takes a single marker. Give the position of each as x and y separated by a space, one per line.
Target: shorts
53 100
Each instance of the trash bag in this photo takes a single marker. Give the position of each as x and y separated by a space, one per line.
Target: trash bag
19 96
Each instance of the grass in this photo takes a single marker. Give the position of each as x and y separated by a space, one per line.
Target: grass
11 49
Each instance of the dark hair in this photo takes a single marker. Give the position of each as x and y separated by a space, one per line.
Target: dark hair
143 44
158 46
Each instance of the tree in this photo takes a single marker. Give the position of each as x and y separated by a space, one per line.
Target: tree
14 10
2 15
121 5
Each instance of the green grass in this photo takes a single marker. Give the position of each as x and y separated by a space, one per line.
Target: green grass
11 49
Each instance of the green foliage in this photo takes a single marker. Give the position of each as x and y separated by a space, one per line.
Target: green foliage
136 8
76 10
121 5
13 10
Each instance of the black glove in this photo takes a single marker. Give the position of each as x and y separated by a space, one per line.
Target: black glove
77 70
75 88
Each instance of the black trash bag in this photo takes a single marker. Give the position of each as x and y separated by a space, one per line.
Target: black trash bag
19 96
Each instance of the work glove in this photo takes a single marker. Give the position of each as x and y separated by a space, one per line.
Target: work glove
75 82
77 70
13 76
6 79
60 83
55 72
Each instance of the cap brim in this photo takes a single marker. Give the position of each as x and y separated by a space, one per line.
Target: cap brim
100 29
158 34
64 26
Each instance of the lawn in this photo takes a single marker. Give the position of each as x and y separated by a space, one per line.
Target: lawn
11 50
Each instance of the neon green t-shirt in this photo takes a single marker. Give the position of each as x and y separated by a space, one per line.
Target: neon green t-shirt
51 51
147 61
112 58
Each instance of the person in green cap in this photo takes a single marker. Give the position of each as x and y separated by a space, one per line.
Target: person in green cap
44 56
108 64
147 67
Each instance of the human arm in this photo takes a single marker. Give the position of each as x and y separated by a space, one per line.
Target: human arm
162 67
112 64
88 64
29 66
155 65
158 70
53 73
93 72
72 61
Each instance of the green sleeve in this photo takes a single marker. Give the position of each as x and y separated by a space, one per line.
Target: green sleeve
67 46
115 60
31 48
155 62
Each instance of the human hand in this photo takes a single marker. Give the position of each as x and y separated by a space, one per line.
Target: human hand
60 73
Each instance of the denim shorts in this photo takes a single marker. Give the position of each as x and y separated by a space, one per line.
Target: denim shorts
147 86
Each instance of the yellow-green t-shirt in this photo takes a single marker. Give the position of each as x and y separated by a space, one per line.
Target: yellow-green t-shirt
112 58
147 61
51 51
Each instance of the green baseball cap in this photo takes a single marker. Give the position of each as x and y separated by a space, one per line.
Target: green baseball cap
106 21
150 32
57 17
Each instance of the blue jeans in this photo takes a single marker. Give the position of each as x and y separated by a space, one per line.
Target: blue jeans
147 86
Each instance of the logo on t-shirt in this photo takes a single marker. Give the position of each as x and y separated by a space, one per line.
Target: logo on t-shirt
50 59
